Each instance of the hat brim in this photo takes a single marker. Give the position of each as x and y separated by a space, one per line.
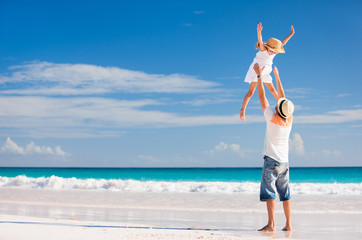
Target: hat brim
280 101
281 50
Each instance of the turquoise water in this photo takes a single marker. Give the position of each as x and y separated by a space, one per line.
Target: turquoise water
297 175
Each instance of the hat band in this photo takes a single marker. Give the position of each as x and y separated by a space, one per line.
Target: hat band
280 109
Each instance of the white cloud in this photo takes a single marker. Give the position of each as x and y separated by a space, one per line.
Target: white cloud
300 107
224 147
296 147
296 144
105 117
221 147
32 148
92 117
303 91
335 153
235 147
300 93
83 116
149 159
58 151
208 101
344 95
11 147
45 78
339 116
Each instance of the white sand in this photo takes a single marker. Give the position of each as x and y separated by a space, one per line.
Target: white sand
15 227
77 214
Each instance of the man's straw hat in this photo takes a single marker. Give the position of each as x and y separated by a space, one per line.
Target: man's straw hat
275 45
285 107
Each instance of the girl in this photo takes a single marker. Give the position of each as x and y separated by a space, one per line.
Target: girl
264 58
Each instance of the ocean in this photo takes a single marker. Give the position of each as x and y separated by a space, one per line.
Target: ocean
322 180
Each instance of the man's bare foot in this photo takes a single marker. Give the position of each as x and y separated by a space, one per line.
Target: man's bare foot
287 229
267 228
242 115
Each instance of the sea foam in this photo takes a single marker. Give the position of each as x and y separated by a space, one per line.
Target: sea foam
55 182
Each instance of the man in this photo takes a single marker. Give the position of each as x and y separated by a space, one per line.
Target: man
276 168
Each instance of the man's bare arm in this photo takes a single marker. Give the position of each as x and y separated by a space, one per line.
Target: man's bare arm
261 91
280 88
289 36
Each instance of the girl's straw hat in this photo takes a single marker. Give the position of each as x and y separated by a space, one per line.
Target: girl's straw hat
275 45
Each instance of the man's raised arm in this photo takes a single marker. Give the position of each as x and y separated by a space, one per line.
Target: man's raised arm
280 89
261 92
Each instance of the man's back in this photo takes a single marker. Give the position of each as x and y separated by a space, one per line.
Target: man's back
276 143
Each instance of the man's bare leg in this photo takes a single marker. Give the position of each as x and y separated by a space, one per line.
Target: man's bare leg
287 205
270 205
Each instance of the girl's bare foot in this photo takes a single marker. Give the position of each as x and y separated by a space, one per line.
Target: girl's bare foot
267 228
242 115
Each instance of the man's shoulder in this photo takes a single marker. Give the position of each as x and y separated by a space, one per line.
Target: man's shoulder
278 120
268 107
268 112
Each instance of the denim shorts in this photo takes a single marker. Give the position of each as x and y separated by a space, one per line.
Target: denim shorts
275 179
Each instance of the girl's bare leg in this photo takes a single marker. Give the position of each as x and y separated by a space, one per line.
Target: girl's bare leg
272 90
247 97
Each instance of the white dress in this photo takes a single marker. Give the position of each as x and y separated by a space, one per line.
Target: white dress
263 59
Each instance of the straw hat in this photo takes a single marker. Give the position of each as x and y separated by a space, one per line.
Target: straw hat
285 107
275 45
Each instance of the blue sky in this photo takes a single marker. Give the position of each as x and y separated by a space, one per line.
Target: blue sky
160 83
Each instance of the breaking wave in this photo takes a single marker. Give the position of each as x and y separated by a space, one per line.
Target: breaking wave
55 182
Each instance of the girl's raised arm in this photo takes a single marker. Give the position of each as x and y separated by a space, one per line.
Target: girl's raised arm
289 36
260 38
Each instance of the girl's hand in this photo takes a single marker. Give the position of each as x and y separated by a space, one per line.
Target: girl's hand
259 27
292 28
276 72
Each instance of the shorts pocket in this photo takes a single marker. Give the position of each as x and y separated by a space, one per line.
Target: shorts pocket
268 175
270 163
